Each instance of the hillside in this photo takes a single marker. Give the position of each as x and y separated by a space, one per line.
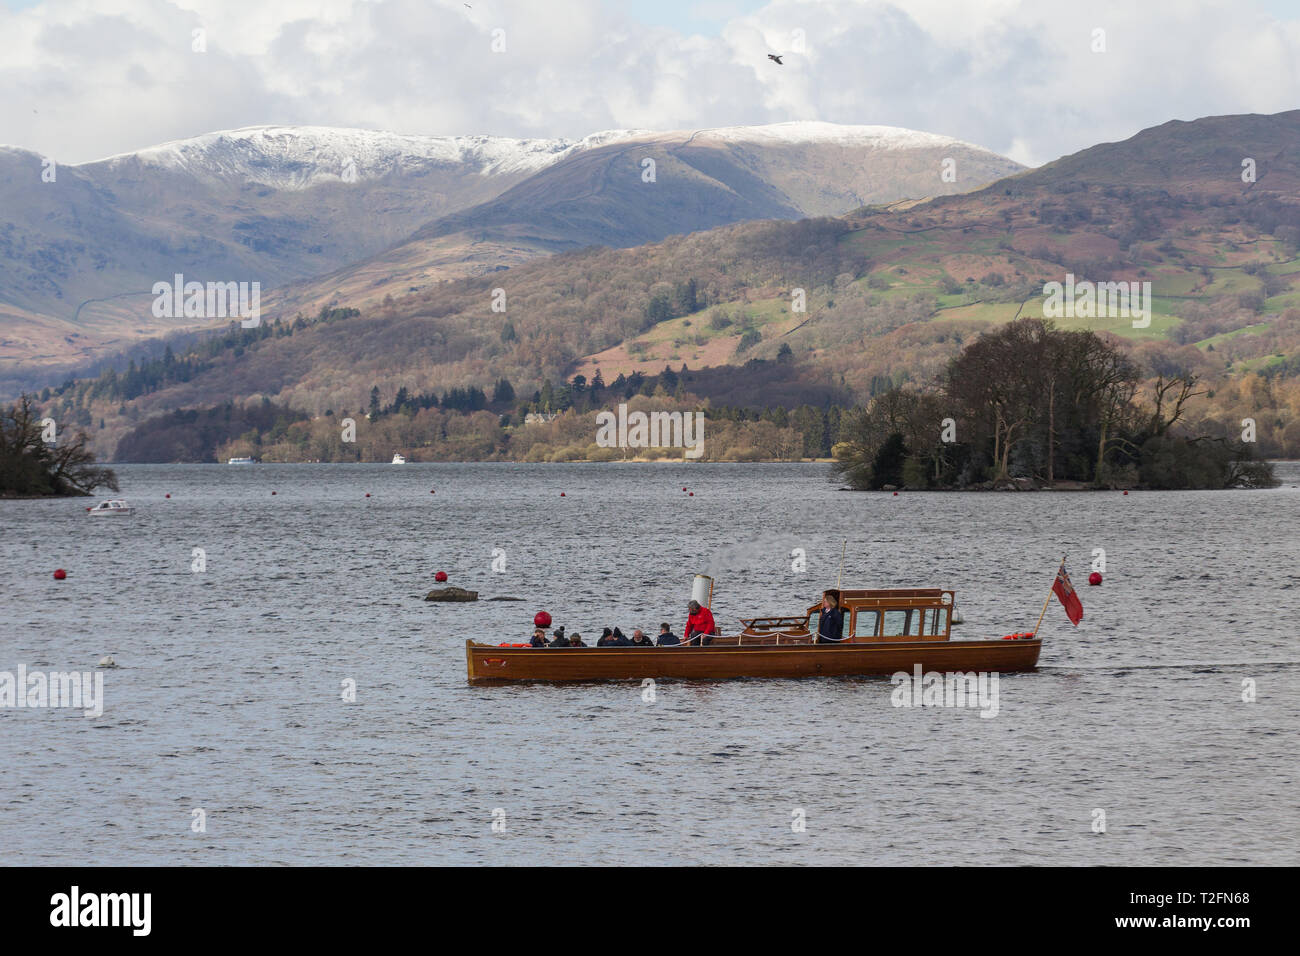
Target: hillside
79 254
647 187
279 205
891 291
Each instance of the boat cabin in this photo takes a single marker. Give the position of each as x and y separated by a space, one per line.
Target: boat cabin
871 616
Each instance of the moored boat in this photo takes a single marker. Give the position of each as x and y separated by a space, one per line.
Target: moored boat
113 506
398 458
240 461
885 631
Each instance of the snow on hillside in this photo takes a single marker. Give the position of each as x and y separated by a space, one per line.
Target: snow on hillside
297 157
876 137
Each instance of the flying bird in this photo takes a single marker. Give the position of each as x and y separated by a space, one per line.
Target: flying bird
776 59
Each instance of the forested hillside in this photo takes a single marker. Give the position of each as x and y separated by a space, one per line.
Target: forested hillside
850 307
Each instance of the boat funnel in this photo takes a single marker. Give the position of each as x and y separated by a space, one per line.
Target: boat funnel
702 590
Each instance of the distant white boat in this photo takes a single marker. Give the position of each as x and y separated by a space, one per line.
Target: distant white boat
240 461
114 506
399 458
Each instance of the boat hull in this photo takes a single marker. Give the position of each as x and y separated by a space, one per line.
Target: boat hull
489 664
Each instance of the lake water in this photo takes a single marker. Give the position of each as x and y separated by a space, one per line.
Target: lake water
228 697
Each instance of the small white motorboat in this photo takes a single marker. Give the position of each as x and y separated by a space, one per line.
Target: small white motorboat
113 506
240 461
399 458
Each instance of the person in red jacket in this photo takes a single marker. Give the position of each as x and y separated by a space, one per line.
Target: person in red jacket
699 621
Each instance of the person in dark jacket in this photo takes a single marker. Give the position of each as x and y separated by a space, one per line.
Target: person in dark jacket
666 636
576 640
830 623
558 638
639 639
539 638
614 638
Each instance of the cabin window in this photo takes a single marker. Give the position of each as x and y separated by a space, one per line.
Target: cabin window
864 623
938 621
895 624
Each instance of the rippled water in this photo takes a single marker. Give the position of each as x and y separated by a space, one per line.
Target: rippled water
228 694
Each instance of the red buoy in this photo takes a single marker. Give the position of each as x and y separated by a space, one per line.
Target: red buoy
432 492
541 619
166 496
1094 579
60 574
561 494
440 576
895 494
273 492
691 494
367 494
1126 492
683 487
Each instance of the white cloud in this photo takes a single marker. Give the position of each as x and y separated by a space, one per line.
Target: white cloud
85 79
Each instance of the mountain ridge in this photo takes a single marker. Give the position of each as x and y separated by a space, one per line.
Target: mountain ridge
890 293
285 206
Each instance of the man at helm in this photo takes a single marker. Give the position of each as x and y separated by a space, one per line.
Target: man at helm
830 623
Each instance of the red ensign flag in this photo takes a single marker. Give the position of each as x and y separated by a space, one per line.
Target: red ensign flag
1064 592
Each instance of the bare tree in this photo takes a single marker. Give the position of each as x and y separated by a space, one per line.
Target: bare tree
31 466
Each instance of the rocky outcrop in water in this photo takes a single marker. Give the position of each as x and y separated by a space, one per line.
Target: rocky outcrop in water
451 594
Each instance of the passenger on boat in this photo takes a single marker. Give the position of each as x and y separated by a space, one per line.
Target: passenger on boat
558 638
640 640
539 638
699 623
576 640
666 637
830 623
614 638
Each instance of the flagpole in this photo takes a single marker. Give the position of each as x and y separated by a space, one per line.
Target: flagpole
843 551
1050 592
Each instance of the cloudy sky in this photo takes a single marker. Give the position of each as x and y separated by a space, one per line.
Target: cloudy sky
83 79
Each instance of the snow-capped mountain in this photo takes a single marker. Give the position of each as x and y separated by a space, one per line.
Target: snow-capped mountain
298 157
350 216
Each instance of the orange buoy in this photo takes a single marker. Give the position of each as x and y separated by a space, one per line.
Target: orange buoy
60 574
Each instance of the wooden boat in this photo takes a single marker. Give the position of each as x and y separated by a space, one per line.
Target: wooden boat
885 631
